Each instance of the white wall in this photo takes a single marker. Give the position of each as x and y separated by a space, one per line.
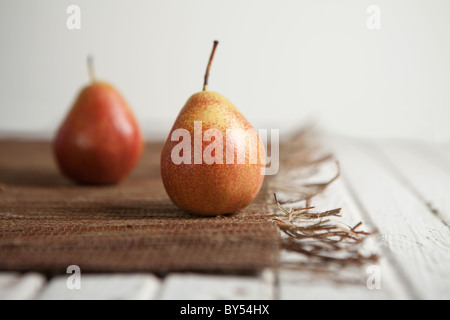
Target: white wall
281 62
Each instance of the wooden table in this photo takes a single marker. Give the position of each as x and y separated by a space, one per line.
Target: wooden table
401 189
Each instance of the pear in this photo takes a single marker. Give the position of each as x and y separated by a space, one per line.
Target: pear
222 187
99 142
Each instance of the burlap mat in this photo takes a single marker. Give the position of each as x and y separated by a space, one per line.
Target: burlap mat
47 223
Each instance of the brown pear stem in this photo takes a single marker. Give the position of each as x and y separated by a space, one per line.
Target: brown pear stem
90 63
205 84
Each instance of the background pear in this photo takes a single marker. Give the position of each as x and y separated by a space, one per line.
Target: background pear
212 189
100 141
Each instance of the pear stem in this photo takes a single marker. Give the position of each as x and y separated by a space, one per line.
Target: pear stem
205 84
90 64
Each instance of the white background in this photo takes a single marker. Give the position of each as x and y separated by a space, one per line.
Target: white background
282 63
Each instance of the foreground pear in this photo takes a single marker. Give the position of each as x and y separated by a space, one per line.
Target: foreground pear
205 183
100 141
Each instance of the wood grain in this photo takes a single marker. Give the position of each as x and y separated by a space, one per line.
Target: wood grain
297 285
348 283
218 287
415 241
425 170
14 286
104 287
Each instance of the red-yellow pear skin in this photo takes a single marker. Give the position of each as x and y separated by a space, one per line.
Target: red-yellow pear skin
210 190
100 141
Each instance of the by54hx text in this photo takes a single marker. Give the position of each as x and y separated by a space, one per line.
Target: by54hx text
227 309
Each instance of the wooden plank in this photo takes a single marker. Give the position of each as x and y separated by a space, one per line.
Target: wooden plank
104 287
307 286
415 241
14 286
348 283
425 170
218 287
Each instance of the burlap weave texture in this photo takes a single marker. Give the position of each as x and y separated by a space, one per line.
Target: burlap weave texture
47 223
